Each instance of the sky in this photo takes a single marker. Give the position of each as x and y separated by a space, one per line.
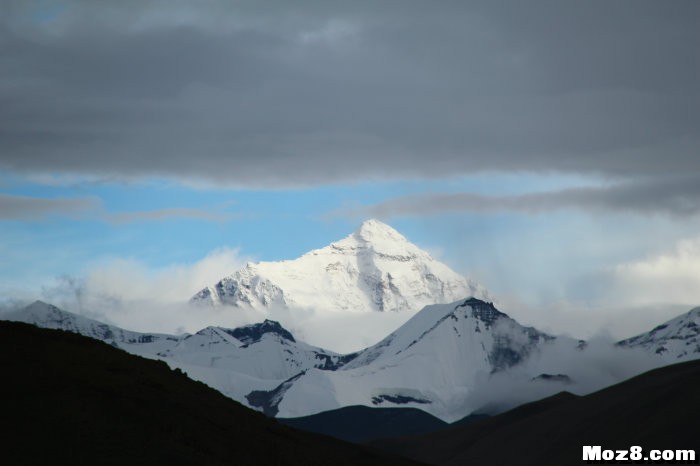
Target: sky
548 149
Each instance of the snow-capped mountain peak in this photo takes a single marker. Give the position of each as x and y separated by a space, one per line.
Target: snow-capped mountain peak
373 228
250 334
676 339
380 238
375 268
466 320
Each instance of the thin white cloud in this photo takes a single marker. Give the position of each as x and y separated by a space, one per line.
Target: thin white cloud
620 300
169 213
129 293
672 276
130 279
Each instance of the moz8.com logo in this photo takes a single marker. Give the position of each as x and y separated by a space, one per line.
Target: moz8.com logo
595 454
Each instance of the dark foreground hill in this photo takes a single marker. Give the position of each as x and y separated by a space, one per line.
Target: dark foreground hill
656 410
362 424
68 399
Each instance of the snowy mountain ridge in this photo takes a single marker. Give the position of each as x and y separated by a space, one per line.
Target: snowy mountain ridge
373 269
47 315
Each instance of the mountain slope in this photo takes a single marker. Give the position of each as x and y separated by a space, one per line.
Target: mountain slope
49 316
373 269
656 410
69 399
449 360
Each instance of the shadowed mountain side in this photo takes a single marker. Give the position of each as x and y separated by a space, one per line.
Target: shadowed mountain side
362 424
656 410
69 399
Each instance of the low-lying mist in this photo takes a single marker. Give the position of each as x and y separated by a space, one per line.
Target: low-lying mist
565 366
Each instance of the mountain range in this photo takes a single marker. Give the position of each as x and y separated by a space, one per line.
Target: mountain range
435 362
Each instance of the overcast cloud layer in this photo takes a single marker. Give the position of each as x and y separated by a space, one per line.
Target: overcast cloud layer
294 93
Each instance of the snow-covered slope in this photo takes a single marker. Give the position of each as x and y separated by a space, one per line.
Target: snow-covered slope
49 316
373 269
473 323
433 362
673 341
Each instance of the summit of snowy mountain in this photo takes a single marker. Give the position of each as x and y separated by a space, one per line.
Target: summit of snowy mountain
502 342
250 334
373 269
380 238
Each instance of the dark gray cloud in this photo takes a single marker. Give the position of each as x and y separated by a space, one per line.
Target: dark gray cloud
291 93
33 208
26 208
677 197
